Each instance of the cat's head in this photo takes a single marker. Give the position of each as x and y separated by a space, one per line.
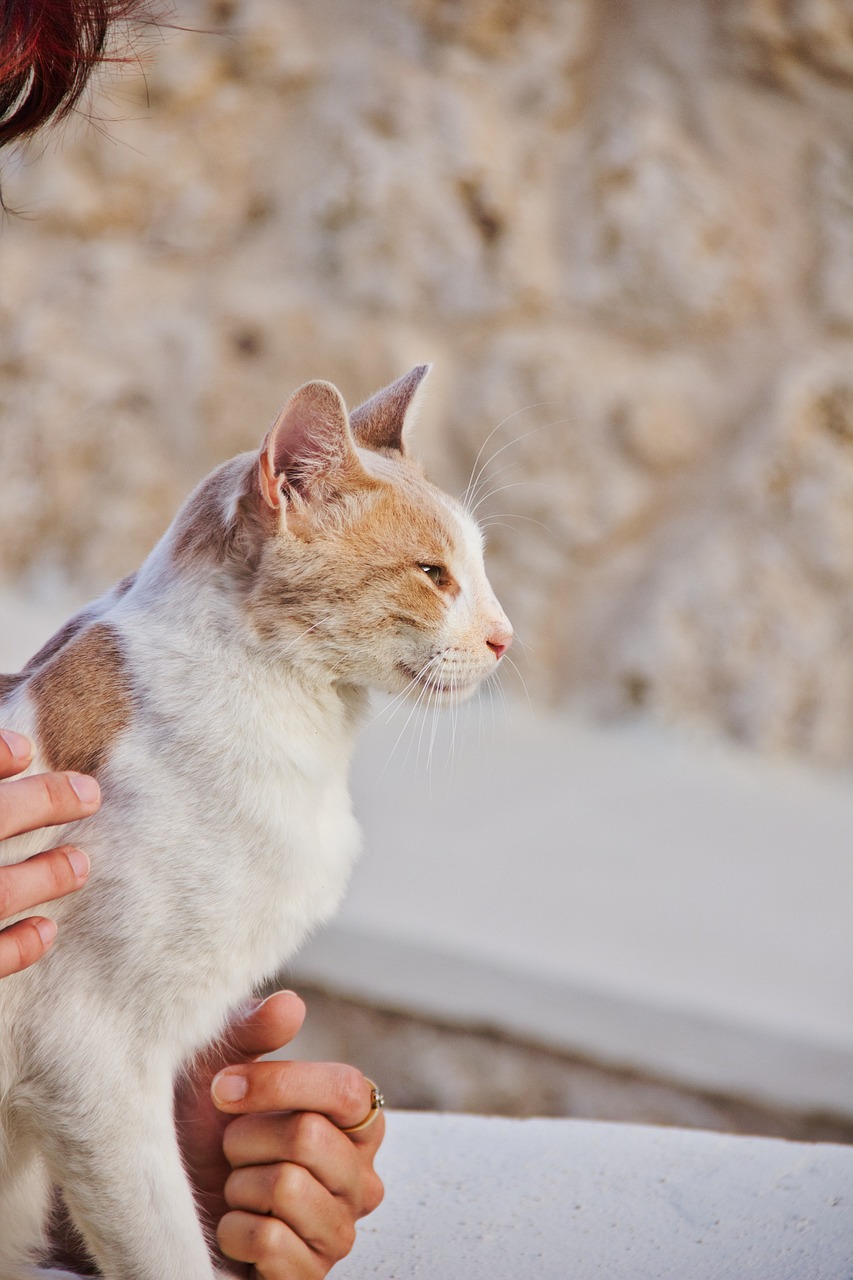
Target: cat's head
360 569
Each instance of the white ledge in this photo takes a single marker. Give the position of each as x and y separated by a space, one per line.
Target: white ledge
623 893
469 1198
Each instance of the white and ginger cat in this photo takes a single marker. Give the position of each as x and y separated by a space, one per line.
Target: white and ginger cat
215 694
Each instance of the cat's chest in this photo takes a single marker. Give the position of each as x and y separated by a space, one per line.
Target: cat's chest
242 788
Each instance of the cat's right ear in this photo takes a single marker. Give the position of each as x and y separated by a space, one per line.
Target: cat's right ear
309 450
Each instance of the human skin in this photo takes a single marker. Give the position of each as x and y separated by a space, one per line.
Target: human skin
29 803
273 1167
276 1179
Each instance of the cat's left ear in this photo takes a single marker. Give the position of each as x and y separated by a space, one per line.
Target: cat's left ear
309 450
382 422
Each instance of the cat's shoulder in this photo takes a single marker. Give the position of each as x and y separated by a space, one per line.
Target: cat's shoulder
77 689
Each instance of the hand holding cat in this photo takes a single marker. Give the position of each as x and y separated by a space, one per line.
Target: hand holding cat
281 1183
40 800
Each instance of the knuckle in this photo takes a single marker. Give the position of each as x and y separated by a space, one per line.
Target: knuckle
344 1238
56 791
373 1192
268 1237
59 877
287 1184
310 1134
232 1141
28 947
9 803
8 898
350 1091
232 1189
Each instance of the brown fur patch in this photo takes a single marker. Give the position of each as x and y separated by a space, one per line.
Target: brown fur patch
83 701
202 534
58 641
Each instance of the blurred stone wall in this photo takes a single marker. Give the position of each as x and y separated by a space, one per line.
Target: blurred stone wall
624 231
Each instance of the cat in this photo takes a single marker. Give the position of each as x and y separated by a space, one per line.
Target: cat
215 694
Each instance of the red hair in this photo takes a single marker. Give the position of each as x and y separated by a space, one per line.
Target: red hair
48 50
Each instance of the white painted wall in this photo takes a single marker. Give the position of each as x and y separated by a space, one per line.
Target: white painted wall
655 901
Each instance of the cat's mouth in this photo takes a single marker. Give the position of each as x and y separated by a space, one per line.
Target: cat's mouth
429 680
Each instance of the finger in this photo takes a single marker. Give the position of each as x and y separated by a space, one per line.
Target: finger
46 800
275 1249
337 1091
16 752
312 1141
290 1193
265 1027
23 943
42 878
256 1028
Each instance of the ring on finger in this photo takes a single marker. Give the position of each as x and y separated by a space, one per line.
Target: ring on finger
377 1102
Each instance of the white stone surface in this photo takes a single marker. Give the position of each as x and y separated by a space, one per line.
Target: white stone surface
469 1198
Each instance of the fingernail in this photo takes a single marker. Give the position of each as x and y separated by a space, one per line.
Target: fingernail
229 1086
46 930
20 747
86 788
79 862
271 996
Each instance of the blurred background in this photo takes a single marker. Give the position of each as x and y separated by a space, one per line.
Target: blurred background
623 232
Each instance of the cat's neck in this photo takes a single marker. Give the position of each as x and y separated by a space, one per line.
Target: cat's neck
193 643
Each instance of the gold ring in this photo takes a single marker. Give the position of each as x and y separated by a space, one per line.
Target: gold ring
377 1102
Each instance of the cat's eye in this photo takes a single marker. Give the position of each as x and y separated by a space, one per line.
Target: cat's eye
434 572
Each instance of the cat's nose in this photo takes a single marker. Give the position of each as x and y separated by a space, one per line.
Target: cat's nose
499 641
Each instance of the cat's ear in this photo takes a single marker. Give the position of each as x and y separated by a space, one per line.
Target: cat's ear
382 421
309 449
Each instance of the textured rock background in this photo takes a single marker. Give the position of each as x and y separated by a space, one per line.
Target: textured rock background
623 232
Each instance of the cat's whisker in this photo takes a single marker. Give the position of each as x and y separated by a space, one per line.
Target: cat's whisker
522 644
489 477
521 678
490 687
391 708
424 708
416 706
501 692
470 492
500 518
423 690
432 737
539 405
455 703
516 484
318 622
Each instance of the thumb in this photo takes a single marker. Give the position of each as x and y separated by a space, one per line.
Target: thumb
256 1029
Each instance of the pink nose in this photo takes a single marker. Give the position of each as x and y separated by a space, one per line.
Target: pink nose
499 642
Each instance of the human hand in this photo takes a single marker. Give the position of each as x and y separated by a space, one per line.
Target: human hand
281 1184
41 800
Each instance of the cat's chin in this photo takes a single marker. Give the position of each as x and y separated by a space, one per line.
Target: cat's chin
432 692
